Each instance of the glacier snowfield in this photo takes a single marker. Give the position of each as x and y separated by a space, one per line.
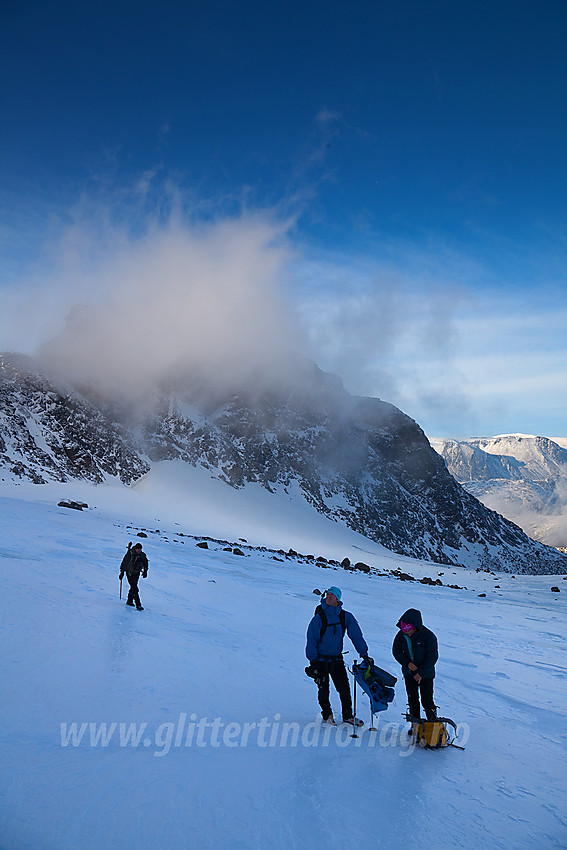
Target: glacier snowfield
199 726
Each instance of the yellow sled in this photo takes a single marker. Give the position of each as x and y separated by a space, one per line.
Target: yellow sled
434 734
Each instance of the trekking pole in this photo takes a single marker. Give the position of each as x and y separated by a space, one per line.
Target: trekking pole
354 735
120 588
372 726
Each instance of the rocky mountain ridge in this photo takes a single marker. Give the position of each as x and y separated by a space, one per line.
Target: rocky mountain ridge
358 461
522 476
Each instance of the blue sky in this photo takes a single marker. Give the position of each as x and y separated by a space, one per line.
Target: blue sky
414 154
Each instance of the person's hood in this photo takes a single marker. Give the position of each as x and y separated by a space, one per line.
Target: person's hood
413 616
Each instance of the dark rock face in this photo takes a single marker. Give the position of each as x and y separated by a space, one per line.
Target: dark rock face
358 461
53 433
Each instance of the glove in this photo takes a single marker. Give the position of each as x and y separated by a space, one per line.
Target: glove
311 670
368 659
145 574
121 576
315 673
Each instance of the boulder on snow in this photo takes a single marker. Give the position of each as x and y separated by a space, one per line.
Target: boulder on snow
555 590
68 503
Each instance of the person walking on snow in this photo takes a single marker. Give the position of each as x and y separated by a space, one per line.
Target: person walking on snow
133 563
415 648
325 635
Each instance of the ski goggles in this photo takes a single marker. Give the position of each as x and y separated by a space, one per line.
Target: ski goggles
406 627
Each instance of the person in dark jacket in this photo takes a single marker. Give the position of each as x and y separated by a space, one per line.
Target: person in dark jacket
415 648
133 563
325 635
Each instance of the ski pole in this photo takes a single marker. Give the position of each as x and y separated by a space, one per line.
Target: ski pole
120 588
354 735
372 727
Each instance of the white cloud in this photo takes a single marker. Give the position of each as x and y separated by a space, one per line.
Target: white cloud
203 297
430 329
441 339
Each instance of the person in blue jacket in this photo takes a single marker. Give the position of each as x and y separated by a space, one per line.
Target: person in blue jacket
415 648
325 635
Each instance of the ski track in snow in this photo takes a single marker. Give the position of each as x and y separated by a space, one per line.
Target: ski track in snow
224 636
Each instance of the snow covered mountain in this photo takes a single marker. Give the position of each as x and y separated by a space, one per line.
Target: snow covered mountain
358 461
521 476
51 432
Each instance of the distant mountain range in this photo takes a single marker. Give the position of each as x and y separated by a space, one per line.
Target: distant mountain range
521 476
358 461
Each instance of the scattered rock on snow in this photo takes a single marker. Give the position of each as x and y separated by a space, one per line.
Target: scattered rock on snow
555 590
403 576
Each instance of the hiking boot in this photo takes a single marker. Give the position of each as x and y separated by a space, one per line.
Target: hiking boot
139 608
353 721
131 604
330 720
431 714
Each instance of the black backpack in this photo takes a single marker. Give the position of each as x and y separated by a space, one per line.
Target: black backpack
324 623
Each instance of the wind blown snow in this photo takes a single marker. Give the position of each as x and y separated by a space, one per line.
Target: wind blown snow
206 299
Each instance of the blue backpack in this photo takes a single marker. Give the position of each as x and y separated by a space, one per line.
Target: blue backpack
377 683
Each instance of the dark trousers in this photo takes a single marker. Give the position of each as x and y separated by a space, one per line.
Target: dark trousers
425 690
337 671
133 595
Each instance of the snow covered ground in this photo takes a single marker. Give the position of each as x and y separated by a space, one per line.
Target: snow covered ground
232 754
